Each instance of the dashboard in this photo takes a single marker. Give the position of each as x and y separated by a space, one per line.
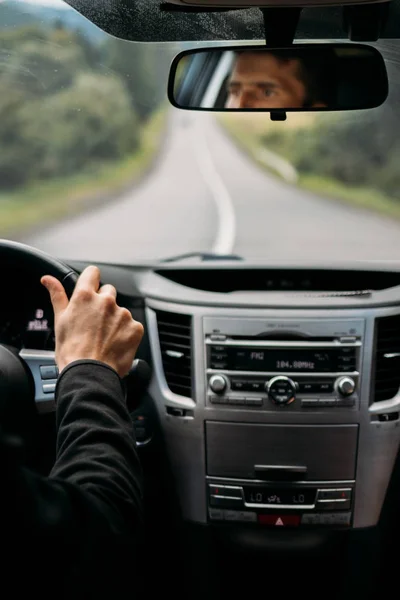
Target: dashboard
275 389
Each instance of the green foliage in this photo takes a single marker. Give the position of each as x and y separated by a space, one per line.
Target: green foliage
356 149
39 64
68 103
91 120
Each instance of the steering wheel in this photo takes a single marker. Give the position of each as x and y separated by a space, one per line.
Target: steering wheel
28 377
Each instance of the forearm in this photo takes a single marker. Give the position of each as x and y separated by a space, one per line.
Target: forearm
84 545
95 441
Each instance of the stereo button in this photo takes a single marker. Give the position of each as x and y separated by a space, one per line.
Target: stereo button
281 389
255 386
218 383
218 349
325 402
214 364
346 363
314 387
345 386
238 385
219 400
325 388
218 357
308 387
346 359
349 351
310 402
254 401
238 401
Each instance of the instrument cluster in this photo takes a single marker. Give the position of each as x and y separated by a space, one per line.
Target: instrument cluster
26 317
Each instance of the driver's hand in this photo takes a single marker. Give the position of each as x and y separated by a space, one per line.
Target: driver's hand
91 325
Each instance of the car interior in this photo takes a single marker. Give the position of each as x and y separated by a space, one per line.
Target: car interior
265 395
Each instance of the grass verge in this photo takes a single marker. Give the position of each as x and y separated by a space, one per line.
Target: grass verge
248 132
44 202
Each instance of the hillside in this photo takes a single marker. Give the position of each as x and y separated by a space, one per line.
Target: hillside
15 13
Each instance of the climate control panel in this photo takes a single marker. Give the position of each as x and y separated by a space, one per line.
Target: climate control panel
280 506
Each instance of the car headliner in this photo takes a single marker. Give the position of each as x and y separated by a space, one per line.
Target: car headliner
144 21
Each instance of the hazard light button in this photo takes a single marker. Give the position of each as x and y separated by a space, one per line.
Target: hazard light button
279 520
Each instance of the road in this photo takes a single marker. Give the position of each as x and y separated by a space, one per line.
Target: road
205 195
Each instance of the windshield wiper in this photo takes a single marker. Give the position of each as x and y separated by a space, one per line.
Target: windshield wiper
202 256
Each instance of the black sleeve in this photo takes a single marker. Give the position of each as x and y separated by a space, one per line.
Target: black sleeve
95 441
83 522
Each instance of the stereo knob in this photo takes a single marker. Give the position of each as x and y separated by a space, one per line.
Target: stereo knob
281 390
218 384
346 386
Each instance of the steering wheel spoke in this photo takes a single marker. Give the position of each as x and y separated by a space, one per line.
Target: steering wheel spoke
43 368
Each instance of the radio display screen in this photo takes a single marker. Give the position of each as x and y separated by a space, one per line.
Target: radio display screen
276 360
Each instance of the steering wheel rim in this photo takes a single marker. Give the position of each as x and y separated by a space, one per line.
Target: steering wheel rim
22 388
40 262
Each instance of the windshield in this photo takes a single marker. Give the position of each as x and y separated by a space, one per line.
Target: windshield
95 165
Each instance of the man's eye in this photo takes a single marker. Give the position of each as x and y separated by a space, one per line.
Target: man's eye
268 93
234 92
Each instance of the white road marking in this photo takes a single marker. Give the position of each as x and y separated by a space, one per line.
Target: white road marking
279 164
226 227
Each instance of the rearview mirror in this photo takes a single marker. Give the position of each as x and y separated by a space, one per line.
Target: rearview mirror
307 77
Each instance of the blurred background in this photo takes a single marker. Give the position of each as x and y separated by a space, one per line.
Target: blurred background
89 149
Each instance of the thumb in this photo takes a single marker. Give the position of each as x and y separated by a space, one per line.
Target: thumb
57 293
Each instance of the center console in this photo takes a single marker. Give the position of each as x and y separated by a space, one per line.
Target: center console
282 474
288 423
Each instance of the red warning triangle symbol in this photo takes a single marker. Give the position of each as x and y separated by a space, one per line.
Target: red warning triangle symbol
279 521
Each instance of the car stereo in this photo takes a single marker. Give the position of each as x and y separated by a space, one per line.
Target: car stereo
296 370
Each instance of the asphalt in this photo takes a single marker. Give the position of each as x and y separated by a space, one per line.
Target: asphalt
206 195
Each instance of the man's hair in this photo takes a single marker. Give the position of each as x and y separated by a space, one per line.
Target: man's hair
317 71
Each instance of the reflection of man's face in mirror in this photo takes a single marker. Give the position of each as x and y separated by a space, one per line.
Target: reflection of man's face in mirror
262 80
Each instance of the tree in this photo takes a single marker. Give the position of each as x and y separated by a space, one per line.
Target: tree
15 155
67 103
89 122
40 64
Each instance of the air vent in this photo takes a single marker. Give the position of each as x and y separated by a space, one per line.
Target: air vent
174 332
387 358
